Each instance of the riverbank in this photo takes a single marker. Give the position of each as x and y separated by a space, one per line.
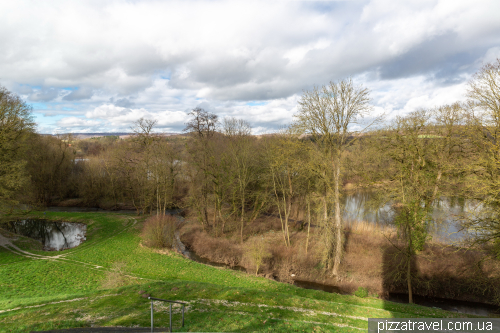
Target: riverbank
371 261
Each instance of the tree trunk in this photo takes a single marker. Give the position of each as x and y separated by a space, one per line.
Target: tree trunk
338 221
408 278
409 257
215 216
242 221
287 216
223 222
279 209
308 222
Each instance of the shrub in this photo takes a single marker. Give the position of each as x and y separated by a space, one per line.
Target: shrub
283 262
256 252
159 231
218 250
361 292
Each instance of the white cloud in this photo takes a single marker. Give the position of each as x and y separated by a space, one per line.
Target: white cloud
297 54
77 122
121 60
120 117
107 111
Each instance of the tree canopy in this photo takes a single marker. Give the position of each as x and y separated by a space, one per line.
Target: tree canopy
16 123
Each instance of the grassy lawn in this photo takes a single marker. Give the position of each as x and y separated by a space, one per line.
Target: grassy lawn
81 287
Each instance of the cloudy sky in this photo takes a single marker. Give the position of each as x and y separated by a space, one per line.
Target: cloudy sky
98 66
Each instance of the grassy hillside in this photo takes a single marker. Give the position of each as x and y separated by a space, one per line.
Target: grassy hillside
106 280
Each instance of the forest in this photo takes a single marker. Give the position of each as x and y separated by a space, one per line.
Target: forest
273 203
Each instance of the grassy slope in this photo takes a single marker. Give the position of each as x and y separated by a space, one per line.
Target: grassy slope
219 299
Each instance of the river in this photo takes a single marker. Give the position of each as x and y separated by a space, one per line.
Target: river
447 213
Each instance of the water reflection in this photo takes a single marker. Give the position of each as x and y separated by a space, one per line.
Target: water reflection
55 236
447 213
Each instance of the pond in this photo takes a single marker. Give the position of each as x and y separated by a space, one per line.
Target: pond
55 236
447 213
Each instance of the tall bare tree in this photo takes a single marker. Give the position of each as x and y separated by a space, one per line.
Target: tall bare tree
203 127
328 114
50 166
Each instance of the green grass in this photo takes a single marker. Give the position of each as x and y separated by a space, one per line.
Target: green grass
219 299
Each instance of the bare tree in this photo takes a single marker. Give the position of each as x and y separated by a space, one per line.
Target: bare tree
285 155
234 127
202 127
202 123
243 167
328 114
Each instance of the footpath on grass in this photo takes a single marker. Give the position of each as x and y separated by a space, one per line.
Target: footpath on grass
84 287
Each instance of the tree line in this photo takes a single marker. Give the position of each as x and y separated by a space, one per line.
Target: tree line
226 177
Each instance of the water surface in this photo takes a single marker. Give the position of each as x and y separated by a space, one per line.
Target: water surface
446 215
55 236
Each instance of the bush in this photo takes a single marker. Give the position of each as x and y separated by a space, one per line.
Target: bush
218 250
256 251
159 231
361 292
283 259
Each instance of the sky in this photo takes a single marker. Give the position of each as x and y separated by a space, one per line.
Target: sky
99 66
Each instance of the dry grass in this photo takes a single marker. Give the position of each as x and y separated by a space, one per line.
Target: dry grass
159 231
219 250
369 227
116 277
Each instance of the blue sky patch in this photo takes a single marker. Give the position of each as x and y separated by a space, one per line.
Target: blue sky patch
256 103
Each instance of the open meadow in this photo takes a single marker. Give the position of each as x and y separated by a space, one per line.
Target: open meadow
106 280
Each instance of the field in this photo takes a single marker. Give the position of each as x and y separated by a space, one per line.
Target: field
106 280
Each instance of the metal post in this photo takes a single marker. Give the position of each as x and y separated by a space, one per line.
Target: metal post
170 317
152 316
182 315
170 311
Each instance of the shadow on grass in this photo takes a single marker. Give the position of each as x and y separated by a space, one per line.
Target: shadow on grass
437 284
